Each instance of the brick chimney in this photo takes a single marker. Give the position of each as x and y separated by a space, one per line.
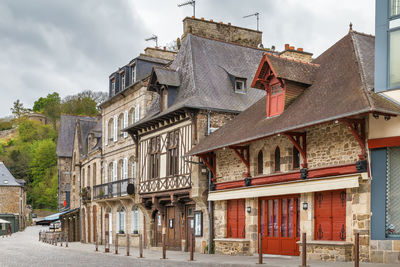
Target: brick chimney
221 31
160 53
299 54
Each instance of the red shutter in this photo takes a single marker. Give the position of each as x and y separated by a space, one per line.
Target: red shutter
339 215
236 218
241 219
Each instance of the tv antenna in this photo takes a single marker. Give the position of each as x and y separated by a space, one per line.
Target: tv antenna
258 18
154 37
192 3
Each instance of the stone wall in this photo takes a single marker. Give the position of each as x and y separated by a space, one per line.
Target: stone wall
232 247
220 31
64 166
386 251
10 199
160 53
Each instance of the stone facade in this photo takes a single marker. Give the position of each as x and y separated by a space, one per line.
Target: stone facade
220 31
232 247
160 53
64 184
11 198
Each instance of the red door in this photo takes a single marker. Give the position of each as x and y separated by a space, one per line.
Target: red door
279 224
330 215
236 218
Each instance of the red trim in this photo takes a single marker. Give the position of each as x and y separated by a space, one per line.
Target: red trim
243 152
209 160
291 176
384 142
299 141
357 128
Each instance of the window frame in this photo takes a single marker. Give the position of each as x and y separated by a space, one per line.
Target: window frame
260 162
296 158
277 159
154 154
241 81
173 153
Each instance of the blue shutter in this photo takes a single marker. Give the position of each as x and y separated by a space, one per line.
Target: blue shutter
378 193
381 45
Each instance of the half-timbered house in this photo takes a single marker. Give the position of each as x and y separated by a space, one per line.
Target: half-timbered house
206 85
297 160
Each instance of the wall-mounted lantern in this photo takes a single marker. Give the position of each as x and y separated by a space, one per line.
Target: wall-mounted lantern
248 209
305 206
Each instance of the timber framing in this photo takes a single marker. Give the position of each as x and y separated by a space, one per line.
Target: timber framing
243 152
357 128
300 142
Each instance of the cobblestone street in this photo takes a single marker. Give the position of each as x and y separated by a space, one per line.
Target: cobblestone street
24 249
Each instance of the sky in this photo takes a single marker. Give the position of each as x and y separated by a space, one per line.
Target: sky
68 45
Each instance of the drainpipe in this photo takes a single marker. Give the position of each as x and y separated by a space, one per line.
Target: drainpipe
80 203
210 203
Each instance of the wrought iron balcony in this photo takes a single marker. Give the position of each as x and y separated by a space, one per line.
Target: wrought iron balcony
112 189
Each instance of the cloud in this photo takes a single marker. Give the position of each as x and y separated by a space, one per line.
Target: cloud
69 46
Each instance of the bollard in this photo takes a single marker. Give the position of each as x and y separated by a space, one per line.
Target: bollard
55 241
260 248
357 250
192 245
66 242
127 244
97 245
140 246
61 239
106 249
304 251
116 243
164 249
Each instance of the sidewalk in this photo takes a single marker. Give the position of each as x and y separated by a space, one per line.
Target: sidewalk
177 258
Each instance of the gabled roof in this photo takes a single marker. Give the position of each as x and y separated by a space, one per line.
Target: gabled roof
342 88
6 178
204 67
164 76
85 126
66 133
287 69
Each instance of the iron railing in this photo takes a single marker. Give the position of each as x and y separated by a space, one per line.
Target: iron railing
112 189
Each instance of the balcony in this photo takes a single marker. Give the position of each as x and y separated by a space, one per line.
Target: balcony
112 189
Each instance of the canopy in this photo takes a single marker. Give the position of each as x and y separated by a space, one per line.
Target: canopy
54 217
4 221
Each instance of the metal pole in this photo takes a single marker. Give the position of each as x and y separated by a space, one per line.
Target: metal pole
127 244
116 243
164 249
140 246
260 250
192 247
357 250
61 238
105 245
304 251
97 243
66 243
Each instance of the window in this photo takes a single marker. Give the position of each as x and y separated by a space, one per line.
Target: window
394 7
276 100
110 128
154 157
277 159
120 125
260 162
198 223
113 86
394 59
173 153
236 218
123 81
135 220
133 73
296 158
330 215
392 192
240 86
121 221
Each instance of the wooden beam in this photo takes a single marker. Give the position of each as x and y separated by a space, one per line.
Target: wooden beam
243 152
357 128
300 142
209 160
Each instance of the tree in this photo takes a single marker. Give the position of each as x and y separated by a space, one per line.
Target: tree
84 103
18 109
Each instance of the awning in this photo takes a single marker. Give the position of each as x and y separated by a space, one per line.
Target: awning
54 217
4 221
293 187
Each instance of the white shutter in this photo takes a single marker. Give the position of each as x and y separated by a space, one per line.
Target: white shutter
137 113
106 174
125 123
106 134
115 128
117 222
115 169
133 171
125 168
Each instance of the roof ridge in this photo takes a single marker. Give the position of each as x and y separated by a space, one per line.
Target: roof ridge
292 59
364 88
362 33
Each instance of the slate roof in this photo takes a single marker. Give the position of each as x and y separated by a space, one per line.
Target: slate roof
85 126
66 133
166 76
152 59
6 178
342 88
205 67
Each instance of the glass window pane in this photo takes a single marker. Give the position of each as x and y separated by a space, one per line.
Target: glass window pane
393 192
394 59
394 7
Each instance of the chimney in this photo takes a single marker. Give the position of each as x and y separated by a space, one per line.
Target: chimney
221 31
299 54
160 53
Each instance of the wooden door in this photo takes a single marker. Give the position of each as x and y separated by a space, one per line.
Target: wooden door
173 229
158 224
189 224
236 218
279 221
106 228
330 215
95 237
88 226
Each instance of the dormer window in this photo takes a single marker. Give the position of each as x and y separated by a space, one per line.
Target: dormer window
133 70
113 86
240 85
123 81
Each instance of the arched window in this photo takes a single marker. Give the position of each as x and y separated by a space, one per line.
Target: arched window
277 159
296 158
260 162
120 172
135 220
131 116
132 169
110 130
120 125
121 220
